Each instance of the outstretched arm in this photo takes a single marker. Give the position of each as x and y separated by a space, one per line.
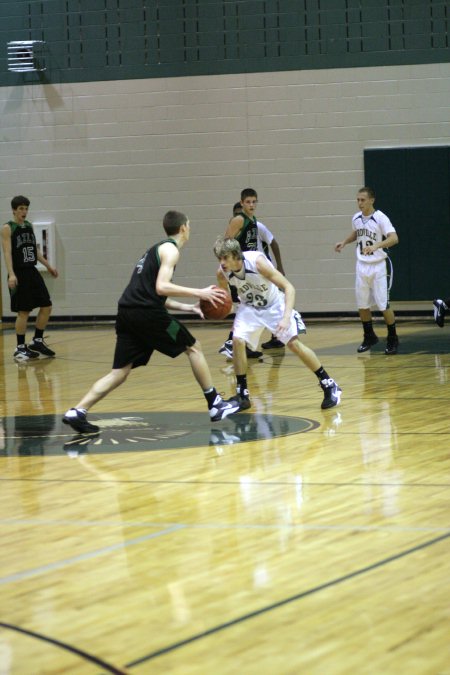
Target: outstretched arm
169 256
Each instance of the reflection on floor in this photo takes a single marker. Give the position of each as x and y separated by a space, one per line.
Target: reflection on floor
46 435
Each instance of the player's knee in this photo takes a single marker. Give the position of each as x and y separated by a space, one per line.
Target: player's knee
120 374
196 348
295 345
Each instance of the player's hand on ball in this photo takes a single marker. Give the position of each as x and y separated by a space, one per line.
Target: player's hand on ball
197 310
215 295
217 304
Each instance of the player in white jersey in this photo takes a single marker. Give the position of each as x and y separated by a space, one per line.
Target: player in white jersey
373 233
266 301
267 244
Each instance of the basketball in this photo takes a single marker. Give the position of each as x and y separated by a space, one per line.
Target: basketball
219 312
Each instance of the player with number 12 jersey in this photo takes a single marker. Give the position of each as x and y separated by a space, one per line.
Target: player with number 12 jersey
371 230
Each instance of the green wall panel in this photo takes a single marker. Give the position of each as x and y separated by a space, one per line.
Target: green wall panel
413 188
120 39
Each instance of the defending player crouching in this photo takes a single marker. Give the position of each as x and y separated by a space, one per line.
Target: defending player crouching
267 301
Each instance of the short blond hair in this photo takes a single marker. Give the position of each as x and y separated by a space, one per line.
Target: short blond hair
224 248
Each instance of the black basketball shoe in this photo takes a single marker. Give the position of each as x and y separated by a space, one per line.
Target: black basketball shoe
391 345
38 345
273 343
222 409
251 354
23 353
227 349
242 399
368 342
76 419
331 393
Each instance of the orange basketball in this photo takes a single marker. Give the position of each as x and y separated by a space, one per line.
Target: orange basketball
221 310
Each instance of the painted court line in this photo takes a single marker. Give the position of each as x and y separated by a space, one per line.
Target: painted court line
66 646
286 601
237 526
20 576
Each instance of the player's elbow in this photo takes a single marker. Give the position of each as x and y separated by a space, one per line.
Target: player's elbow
162 288
289 290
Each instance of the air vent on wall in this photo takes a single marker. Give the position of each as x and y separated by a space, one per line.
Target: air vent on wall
26 56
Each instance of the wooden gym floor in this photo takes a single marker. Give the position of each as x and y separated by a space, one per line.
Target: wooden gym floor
286 540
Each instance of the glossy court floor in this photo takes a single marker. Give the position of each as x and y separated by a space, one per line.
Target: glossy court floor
284 540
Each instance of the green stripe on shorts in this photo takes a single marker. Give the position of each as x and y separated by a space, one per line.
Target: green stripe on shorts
173 329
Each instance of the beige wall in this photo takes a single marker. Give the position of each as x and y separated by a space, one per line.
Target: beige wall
105 160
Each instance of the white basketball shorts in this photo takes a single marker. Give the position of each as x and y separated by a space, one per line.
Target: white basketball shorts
250 322
372 285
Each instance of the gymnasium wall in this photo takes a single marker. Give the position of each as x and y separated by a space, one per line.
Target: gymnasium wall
88 40
105 159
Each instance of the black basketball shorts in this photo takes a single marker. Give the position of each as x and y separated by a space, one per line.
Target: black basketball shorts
30 291
139 332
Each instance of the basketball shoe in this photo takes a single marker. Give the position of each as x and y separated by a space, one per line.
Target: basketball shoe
24 353
273 343
227 349
251 354
38 345
368 342
222 409
439 312
391 345
242 398
76 418
331 393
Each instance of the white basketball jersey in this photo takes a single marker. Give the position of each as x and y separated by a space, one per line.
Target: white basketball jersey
254 289
371 230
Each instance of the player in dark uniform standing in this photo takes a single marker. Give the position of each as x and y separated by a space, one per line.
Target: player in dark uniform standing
243 227
144 325
26 286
